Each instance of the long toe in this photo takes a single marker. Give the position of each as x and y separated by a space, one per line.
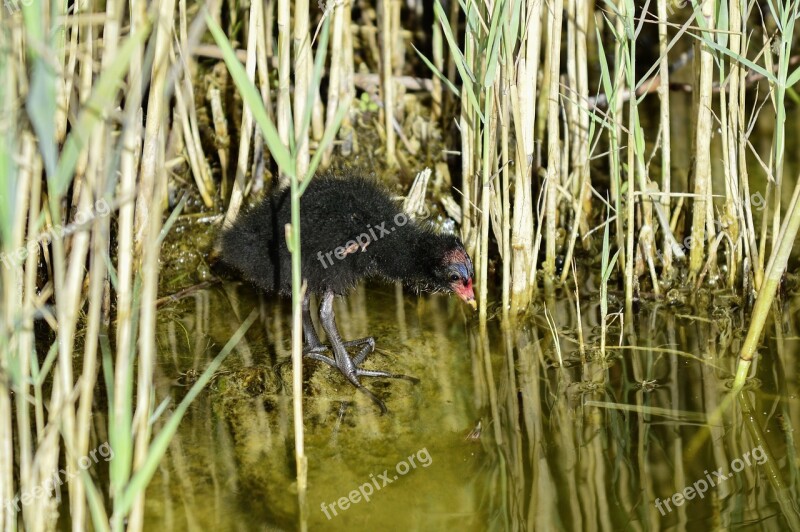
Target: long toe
316 349
369 340
380 404
386 374
322 358
362 355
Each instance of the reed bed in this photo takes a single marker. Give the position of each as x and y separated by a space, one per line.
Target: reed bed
537 111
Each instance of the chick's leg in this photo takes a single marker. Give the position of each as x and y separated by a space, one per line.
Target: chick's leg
348 366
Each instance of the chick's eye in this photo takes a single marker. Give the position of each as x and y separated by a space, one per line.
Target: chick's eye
454 277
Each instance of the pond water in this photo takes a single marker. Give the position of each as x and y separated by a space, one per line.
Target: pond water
514 427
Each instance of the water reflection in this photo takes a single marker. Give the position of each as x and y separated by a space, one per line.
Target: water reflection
602 443
516 427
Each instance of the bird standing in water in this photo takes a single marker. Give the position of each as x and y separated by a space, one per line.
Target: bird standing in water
350 229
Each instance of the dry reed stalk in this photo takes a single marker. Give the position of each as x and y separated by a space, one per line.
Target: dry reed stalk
246 130
317 108
646 238
730 221
702 148
487 179
336 88
437 95
302 84
572 103
578 125
745 215
263 53
269 33
67 79
284 106
505 190
132 144
542 102
387 84
584 192
88 379
147 348
221 135
156 109
467 127
260 147
522 221
348 74
524 102
399 46
85 78
665 131
11 343
553 142
29 183
149 205
398 67
68 276
27 340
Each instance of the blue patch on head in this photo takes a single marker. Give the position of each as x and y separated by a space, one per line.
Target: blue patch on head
462 270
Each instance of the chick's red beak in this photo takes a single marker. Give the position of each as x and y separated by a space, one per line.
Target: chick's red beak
465 292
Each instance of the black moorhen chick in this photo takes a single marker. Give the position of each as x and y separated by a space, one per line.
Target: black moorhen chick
350 229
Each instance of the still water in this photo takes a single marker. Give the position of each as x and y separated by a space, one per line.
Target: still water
514 427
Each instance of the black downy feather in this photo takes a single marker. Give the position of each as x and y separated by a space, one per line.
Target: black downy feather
350 229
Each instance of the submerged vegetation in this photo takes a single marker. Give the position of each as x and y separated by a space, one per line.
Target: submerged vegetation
639 156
